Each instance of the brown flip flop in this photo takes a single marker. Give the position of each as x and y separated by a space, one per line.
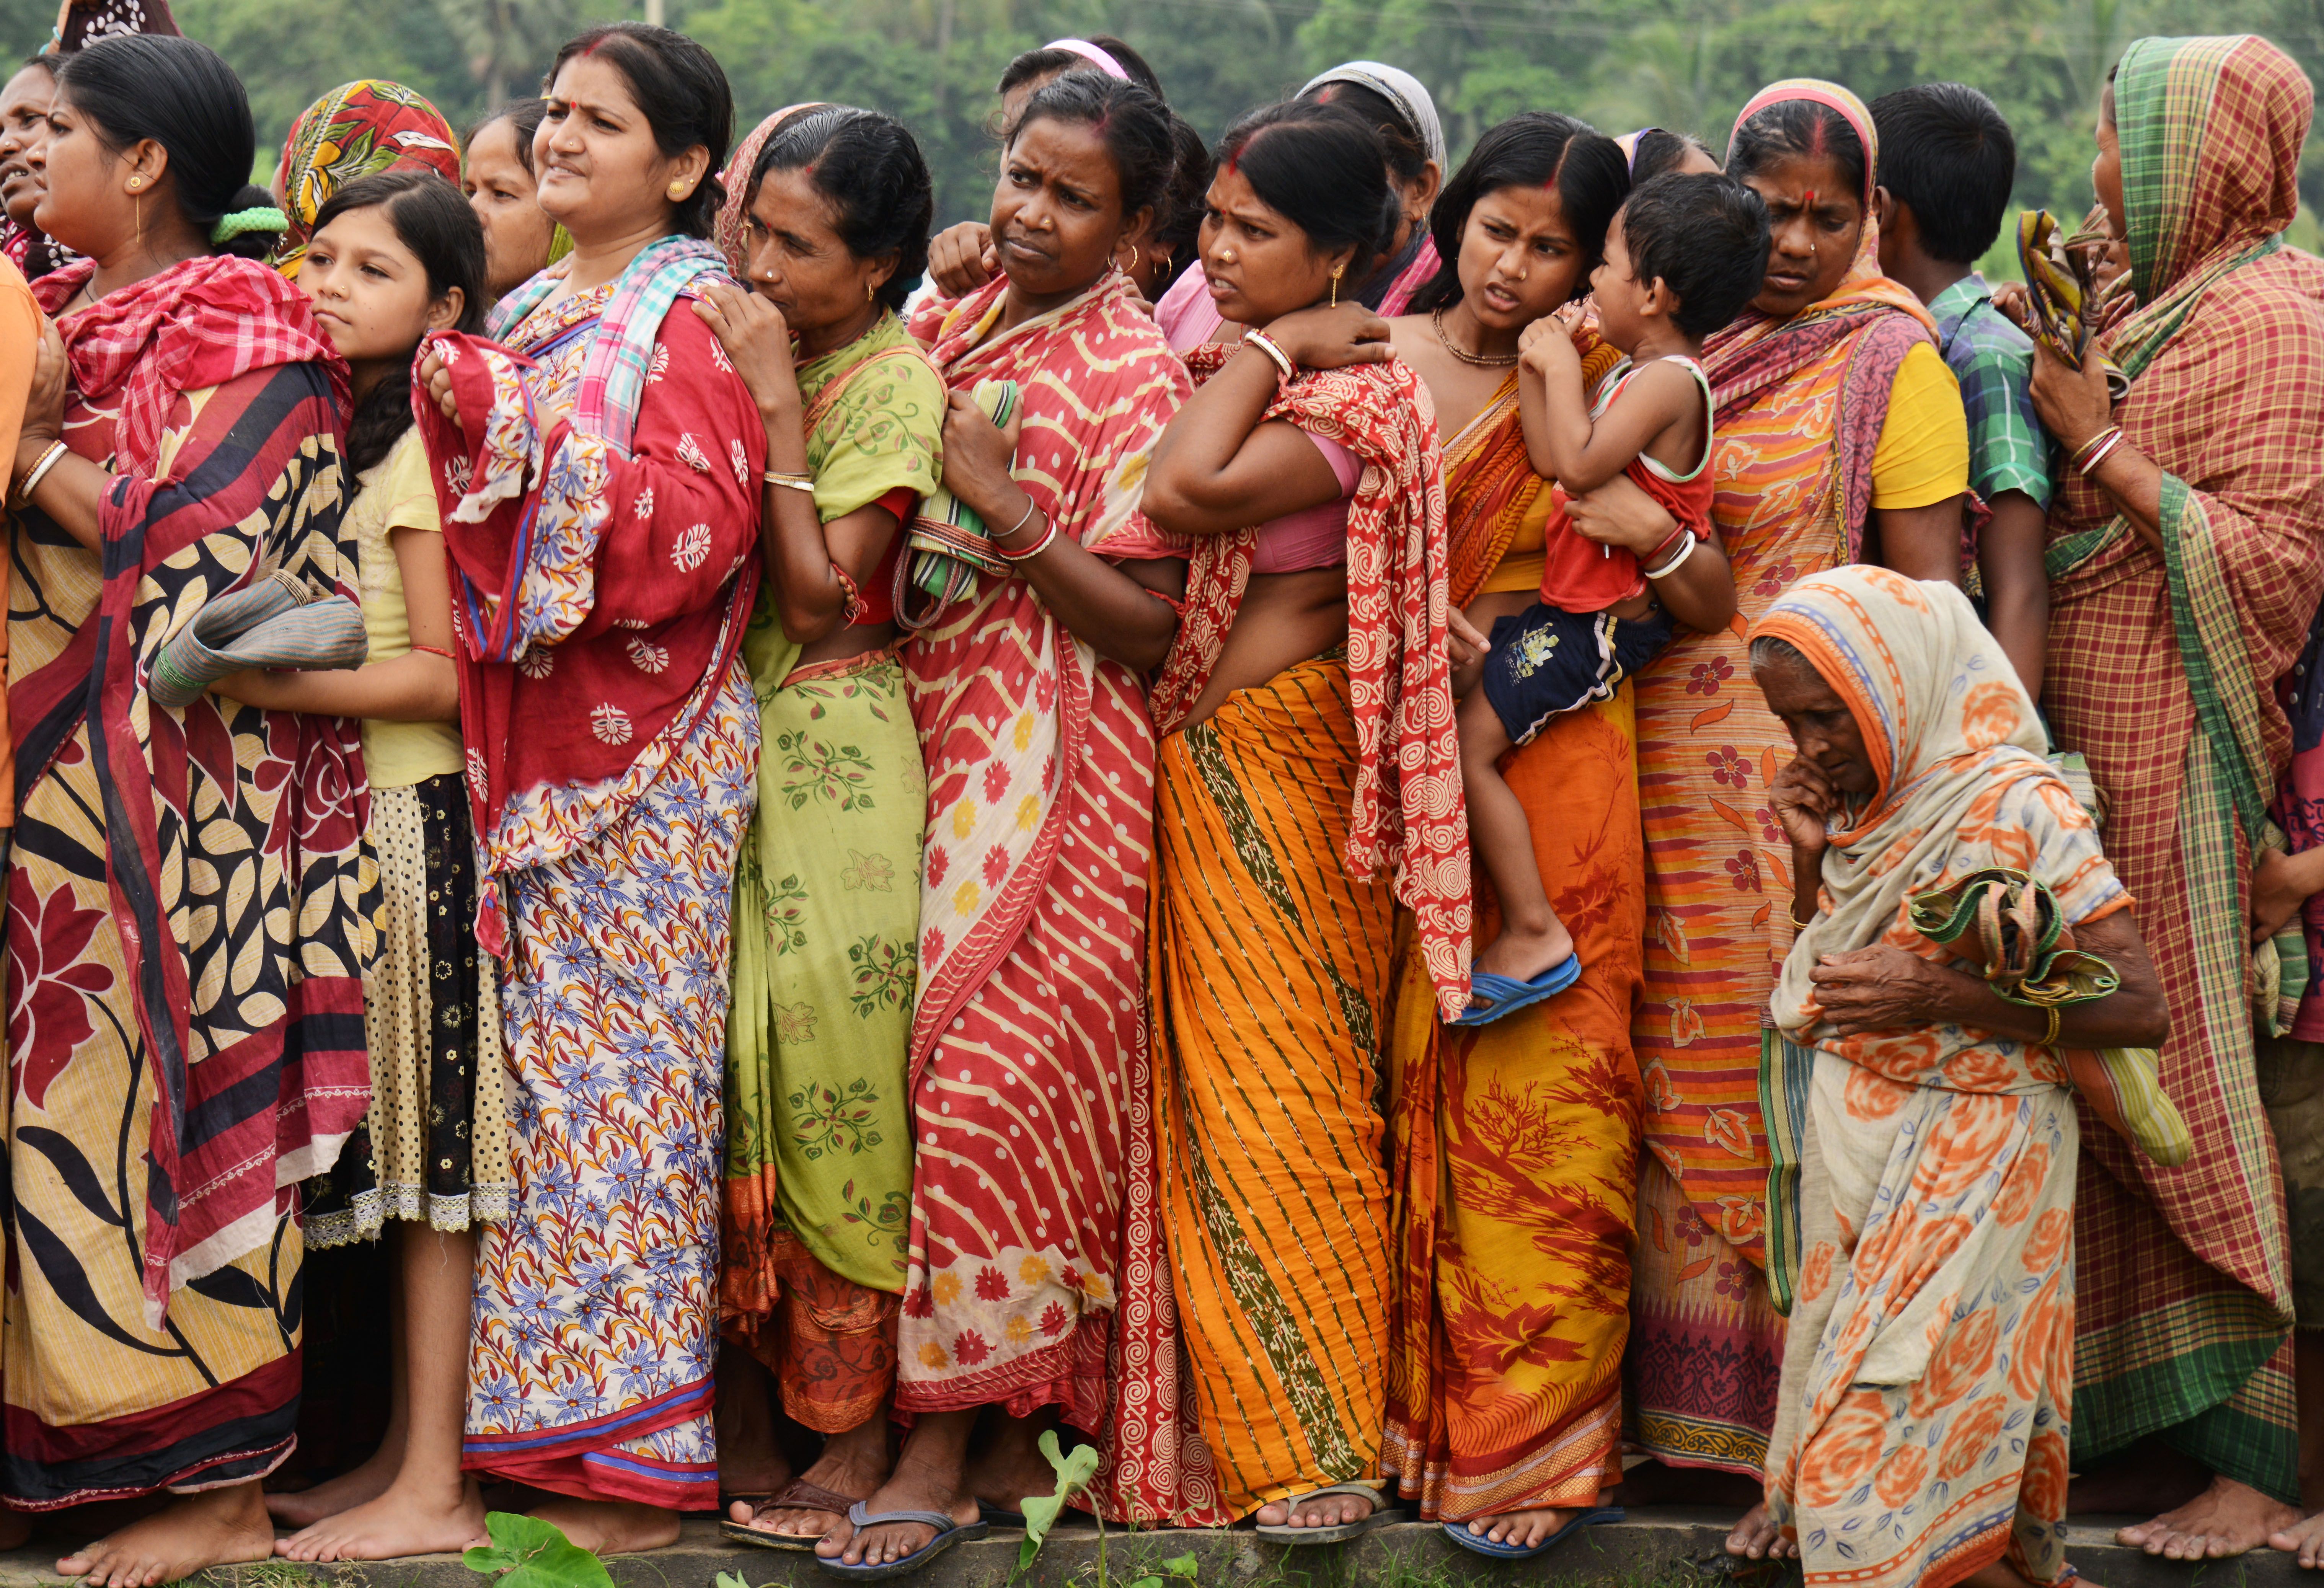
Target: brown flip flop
801 1495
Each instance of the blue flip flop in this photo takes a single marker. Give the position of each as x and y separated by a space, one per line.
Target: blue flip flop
1459 1533
996 1516
948 1533
1506 994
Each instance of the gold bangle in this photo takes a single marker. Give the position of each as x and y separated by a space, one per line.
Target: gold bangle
1798 924
2050 1036
37 472
775 476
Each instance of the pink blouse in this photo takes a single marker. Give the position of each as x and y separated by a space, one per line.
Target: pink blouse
1313 537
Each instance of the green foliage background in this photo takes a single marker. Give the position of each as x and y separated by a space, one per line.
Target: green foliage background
1618 63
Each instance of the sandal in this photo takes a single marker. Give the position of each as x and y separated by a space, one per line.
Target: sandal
1506 995
801 1495
1285 1533
948 1533
1459 1533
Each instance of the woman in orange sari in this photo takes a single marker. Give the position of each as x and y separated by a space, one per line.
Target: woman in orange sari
1513 1147
1840 439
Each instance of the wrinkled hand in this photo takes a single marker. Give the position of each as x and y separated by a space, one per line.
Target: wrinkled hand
1332 338
45 405
1620 513
2276 896
1464 647
961 258
757 339
439 381
2073 403
1804 799
1879 988
977 458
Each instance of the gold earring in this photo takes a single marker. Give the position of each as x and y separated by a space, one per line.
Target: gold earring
677 189
136 181
1134 257
870 291
1335 285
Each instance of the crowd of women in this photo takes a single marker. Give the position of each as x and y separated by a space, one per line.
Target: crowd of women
856 842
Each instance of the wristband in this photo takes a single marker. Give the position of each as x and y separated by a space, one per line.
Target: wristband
1676 561
39 471
1266 344
1032 551
775 476
437 650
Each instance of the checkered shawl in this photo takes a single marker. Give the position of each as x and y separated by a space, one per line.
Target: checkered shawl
2161 671
195 325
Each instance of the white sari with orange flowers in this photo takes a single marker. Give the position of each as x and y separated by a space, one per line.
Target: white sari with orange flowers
1922 1429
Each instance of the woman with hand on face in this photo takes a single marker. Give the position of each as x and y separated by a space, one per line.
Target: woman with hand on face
1034 1257
189 919
601 519
1309 782
835 208
1521 226
502 187
1797 491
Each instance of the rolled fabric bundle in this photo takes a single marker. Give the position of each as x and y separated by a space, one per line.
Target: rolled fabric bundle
948 544
273 623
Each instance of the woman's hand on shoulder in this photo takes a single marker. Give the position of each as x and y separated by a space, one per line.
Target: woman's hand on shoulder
1332 338
758 339
961 258
1880 989
45 405
1804 799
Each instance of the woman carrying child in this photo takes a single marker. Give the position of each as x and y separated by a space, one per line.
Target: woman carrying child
1308 781
390 258
1794 491
1519 1138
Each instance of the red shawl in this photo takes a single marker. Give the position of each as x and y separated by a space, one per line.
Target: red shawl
1409 813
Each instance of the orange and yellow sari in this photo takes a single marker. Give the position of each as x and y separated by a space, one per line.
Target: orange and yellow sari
1513 1147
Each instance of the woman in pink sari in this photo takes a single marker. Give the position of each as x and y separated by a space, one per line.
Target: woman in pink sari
1034 1282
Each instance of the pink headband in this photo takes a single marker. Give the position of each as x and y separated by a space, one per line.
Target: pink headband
1092 54
1830 96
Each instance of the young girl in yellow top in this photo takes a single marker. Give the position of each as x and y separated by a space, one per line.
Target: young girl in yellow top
393 257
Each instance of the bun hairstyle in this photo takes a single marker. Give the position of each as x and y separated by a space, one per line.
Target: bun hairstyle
684 96
181 94
1130 121
1791 129
432 220
524 118
871 170
1536 149
1319 166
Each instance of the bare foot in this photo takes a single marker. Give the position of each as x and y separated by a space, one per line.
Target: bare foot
2226 1518
1756 1537
912 1486
1523 955
359 1485
219 1526
853 1464
2304 1539
15 1529
1520 1530
1320 1510
612 1527
413 1519
1011 1466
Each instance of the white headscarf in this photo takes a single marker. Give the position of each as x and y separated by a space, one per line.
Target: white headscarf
1399 88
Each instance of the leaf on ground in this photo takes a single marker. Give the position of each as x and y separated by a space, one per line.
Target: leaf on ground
1185 1565
526 1552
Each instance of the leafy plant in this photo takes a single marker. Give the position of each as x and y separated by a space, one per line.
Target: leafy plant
526 1552
1041 1512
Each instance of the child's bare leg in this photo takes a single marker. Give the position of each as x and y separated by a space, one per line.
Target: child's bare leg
1532 937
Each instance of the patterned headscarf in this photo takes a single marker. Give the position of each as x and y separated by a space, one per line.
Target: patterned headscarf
736 182
2210 131
81 23
358 129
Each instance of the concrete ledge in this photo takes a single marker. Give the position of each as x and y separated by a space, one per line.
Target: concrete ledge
1661 1547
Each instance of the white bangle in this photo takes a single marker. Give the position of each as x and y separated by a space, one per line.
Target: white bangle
1678 562
39 472
1266 344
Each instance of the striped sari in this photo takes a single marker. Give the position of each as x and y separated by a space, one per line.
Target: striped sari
1800 405
1513 1147
2160 671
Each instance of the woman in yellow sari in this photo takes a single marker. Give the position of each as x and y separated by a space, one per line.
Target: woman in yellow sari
1513 1146
1840 439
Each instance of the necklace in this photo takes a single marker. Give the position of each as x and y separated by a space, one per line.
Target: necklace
1478 359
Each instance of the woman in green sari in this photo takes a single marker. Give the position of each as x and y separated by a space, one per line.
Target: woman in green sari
832 206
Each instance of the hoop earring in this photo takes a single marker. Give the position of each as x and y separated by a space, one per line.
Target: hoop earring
1131 268
1335 285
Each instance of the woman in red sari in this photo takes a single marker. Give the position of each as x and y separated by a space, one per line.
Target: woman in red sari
1033 1283
187 921
601 513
